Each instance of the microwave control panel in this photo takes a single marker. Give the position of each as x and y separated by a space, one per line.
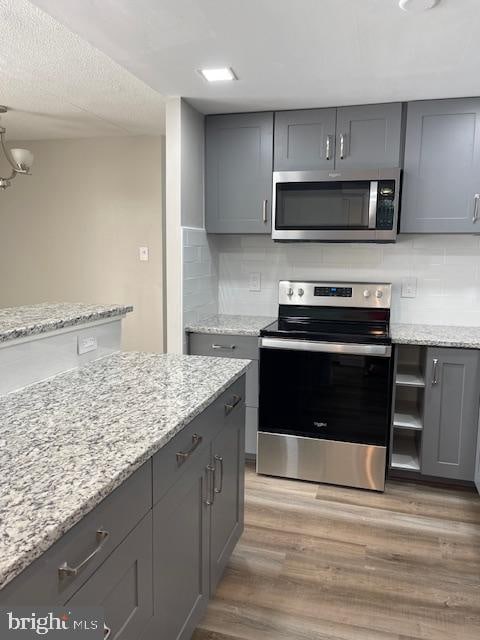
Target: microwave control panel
385 204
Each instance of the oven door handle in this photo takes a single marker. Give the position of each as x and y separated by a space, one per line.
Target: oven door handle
380 350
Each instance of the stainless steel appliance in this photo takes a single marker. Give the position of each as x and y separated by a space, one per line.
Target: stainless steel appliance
336 206
326 384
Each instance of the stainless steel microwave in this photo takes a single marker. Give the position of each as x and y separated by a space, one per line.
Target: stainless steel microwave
336 206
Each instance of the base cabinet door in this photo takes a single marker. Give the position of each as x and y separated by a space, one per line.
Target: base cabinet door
441 180
180 555
451 408
226 517
122 585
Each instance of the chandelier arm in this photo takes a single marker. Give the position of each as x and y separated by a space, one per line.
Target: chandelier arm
11 177
7 153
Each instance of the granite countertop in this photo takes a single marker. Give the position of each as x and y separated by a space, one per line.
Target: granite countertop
436 335
223 324
68 442
31 320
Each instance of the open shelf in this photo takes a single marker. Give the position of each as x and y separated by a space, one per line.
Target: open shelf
405 453
409 376
407 416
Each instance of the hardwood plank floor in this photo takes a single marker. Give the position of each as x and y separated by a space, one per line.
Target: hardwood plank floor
326 563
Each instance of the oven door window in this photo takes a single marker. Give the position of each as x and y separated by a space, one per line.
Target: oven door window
323 205
325 395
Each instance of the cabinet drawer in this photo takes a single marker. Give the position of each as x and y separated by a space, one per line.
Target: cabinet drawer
203 344
118 513
122 585
167 467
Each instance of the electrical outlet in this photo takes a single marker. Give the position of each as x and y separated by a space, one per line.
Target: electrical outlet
143 254
254 282
86 344
409 288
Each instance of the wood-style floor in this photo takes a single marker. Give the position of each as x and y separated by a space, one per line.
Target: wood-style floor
327 563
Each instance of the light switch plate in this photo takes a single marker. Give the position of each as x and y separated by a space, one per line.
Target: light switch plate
86 344
254 282
409 287
143 254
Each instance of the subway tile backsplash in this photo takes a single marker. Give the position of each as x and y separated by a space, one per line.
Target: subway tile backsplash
447 269
200 275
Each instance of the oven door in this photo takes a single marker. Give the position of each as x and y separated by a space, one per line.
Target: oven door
339 392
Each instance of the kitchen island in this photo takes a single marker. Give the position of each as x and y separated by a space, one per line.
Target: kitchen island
141 440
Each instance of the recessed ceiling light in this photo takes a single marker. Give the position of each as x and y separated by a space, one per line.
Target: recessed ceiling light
415 6
218 75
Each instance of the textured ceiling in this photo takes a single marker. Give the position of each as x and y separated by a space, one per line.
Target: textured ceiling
59 86
286 53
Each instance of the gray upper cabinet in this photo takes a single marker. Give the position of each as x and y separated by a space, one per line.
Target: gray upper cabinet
442 167
304 140
369 136
451 413
238 173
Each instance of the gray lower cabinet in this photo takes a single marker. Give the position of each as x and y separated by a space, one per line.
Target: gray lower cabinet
441 179
180 540
304 140
122 585
451 409
369 136
228 461
477 463
238 173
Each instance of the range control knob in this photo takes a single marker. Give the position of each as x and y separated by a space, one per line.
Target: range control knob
366 293
301 292
290 292
379 293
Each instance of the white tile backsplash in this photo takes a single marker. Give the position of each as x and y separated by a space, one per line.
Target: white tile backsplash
447 268
200 275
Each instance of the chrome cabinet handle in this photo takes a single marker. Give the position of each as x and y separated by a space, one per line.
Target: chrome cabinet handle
435 371
224 346
231 406
264 211
475 207
220 460
184 455
210 485
106 631
65 570
342 146
327 148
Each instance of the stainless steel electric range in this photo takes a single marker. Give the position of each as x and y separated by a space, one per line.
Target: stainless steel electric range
326 384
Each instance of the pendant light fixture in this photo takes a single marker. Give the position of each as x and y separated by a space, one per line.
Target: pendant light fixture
20 160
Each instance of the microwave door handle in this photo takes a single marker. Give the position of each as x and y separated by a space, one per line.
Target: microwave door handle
372 205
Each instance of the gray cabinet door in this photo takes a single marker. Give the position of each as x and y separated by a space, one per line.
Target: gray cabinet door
442 167
122 585
304 140
451 413
180 555
477 465
226 524
369 136
238 173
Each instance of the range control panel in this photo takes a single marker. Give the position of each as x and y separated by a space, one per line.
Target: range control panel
335 294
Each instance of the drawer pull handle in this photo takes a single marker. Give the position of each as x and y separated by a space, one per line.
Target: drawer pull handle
220 460
184 455
106 631
65 571
230 347
230 407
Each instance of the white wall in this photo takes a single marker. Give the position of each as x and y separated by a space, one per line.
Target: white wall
71 231
447 268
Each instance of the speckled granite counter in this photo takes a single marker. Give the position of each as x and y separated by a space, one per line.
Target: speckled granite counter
231 325
22 322
436 335
67 443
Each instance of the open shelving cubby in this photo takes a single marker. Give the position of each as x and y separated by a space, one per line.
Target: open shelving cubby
408 409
